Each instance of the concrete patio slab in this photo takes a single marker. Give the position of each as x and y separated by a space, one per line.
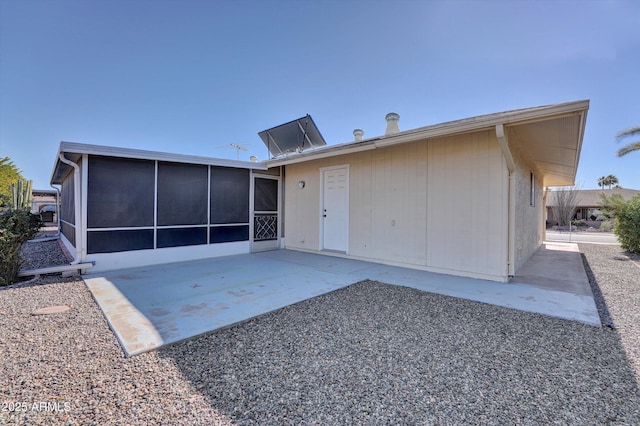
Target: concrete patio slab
153 306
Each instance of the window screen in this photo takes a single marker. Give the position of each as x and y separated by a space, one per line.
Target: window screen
176 237
227 234
182 194
68 211
69 231
114 241
265 195
229 195
120 192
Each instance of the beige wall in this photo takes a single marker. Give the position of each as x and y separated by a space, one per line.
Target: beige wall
529 220
437 204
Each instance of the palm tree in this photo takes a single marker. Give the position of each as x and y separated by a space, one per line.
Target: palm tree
633 146
611 180
602 181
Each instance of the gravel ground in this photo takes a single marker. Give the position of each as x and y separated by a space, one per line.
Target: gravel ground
45 253
617 275
370 353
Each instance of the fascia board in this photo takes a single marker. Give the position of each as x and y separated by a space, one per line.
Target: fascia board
468 125
583 123
78 148
320 154
487 123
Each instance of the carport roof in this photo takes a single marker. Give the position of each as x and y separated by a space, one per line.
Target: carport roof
550 136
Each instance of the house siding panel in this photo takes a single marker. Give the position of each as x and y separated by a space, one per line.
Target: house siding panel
435 204
361 241
529 220
467 205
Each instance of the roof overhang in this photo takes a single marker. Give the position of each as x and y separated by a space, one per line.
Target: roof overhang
550 136
553 143
74 151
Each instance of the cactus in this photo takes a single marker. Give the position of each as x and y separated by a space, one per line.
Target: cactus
21 195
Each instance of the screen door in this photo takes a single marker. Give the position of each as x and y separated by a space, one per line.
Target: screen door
266 221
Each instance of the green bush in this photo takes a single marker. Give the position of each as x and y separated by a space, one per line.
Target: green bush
606 226
579 222
16 227
627 225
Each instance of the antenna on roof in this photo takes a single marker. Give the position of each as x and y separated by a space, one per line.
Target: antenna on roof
237 147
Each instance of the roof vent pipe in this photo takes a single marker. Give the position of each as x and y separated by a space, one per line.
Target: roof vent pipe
392 123
357 135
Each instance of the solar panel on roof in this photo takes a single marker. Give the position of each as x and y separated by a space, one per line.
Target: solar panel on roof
294 136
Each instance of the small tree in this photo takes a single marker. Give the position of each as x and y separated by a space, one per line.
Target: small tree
566 205
627 220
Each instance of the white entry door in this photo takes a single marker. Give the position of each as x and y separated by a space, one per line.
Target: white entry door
335 208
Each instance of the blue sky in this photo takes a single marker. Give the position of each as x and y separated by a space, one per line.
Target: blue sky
193 77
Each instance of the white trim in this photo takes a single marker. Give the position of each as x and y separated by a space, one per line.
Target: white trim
111 151
251 199
84 193
331 151
209 204
466 125
257 246
511 198
139 228
77 207
155 205
321 204
123 228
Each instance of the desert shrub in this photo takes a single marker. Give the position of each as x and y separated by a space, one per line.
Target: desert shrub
16 227
579 222
627 225
606 226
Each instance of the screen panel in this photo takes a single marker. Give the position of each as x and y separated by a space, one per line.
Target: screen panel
115 241
265 195
177 237
69 231
67 195
227 234
182 194
120 192
229 195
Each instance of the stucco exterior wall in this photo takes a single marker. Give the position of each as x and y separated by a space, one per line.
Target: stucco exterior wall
438 204
529 220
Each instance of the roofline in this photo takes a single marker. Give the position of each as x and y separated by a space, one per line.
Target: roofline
466 125
110 151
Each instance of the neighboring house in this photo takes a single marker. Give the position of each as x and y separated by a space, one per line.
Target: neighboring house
588 204
462 197
43 203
